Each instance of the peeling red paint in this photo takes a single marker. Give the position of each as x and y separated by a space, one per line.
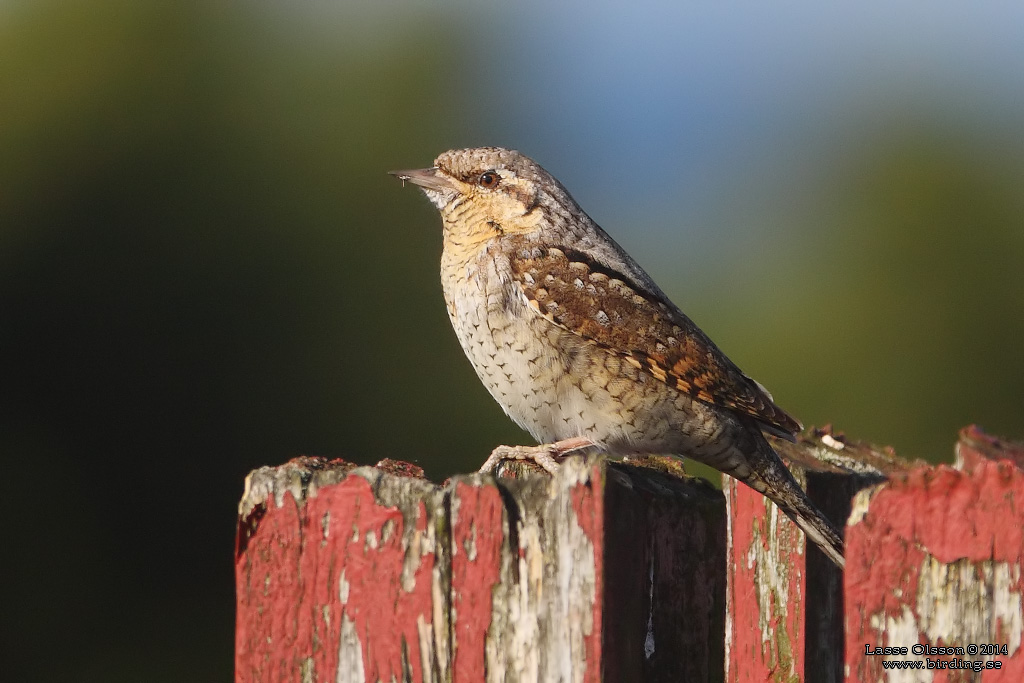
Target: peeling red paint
752 658
290 607
477 529
939 512
589 510
265 576
976 446
291 561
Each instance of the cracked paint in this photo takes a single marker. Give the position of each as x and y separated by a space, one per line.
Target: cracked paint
937 561
766 588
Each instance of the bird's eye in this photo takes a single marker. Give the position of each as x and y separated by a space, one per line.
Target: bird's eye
489 180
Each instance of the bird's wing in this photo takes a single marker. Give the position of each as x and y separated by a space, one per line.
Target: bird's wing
605 308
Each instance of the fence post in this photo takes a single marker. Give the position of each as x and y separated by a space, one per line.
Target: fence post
620 572
934 560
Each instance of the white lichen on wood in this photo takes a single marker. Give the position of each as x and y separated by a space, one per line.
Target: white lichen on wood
860 505
350 654
544 604
774 577
957 604
966 602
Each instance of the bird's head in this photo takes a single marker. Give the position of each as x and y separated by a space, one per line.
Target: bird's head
488 192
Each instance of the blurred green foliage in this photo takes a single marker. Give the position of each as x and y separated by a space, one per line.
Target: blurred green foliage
888 293
204 268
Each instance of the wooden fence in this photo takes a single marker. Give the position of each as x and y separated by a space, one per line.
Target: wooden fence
632 572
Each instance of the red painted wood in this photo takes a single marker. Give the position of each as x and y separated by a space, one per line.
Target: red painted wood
766 587
933 517
477 539
975 446
338 570
479 579
589 507
337 558
784 598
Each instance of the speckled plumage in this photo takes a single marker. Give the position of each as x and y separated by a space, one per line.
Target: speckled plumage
578 344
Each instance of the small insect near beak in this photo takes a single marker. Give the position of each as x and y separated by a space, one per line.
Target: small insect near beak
427 178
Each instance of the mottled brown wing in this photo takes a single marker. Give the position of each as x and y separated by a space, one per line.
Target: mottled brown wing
604 307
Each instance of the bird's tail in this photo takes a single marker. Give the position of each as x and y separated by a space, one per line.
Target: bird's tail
776 482
818 529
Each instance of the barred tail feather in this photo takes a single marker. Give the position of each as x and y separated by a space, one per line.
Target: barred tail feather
771 478
819 530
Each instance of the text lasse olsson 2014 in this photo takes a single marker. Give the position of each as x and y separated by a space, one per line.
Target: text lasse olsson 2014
925 649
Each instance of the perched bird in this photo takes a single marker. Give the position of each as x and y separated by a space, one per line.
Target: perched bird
579 346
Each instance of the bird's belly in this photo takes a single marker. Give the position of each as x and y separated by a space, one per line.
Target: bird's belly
523 372
557 386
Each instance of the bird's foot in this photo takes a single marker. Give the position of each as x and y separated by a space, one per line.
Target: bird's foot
546 455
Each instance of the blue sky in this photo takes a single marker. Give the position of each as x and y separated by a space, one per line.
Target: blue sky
687 91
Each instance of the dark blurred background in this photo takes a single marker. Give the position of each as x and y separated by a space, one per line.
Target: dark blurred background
204 268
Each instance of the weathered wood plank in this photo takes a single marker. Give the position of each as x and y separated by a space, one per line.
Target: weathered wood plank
664 606
934 558
328 563
618 572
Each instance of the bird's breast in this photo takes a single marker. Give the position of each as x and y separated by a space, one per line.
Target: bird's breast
550 381
515 362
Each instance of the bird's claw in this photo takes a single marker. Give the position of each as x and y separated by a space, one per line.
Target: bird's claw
546 455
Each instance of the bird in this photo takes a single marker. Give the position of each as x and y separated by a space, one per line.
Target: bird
581 348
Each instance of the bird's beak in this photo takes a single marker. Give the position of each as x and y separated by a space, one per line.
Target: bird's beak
427 178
